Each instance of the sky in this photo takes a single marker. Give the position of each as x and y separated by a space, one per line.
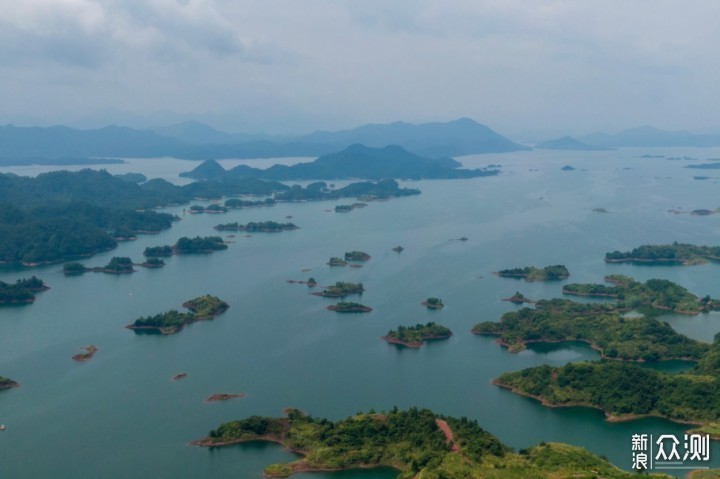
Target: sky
528 69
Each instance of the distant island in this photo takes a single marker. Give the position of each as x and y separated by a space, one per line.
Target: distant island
675 253
185 245
601 325
531 273
341 289
6 383
349 307
416 442
201 308
238 203
357 256
518 298
364 191
335 261
355 161
654 293
22 291
87 355
117 265
433 303
569 143
704 166
224 397
415 336
258 227
212 209
567 168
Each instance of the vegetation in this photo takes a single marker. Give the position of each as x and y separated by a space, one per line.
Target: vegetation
349 307
215 208
197 209
158 251
413 443
414 336
6 383
341 289
680 253
531 273
204 307
433 303
238 203
153 263
254 227
335 261
343 208
518 298
382 189
119 265
70 269
357 256
654 293
198 244
22 291
602 325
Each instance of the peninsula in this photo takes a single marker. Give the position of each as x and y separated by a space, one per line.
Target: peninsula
531 273
601 325
415 336
416 442
170 322
675 253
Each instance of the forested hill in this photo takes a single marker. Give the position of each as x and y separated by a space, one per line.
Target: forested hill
355 161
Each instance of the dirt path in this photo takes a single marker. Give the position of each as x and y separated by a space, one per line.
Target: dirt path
448 434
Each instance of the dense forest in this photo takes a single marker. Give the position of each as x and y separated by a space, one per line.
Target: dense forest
22 291
412 442
415 335
602 325
531 273
682 253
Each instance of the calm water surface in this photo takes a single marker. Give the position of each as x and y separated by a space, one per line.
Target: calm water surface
121 415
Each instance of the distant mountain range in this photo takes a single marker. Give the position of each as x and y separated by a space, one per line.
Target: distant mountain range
192 140
569 143
355 161
649 136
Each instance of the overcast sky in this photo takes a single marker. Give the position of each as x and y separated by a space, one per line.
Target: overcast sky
527 69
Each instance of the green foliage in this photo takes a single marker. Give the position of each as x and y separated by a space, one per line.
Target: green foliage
531 273
335 261
350 307
74 268
206 305
383 189
215 208
262 227
356 256
21 291
158 251
602 325
341 289
667 253
238 203
419 332
203 307
119 265
197 244
168 320
6 383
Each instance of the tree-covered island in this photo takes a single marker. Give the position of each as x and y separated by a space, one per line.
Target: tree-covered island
341 289
6 383
258 227
239 203
185 245
518 298
21 291
531 273
357 256
603 326
117 265
655 293
675 253
335 261
415 336
349 307
417 443
433 303
201 308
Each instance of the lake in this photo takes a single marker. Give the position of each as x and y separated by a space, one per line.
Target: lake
122 415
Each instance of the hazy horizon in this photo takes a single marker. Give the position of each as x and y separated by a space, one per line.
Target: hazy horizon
530 71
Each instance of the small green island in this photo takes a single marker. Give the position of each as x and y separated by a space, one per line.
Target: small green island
335 261
212 209
675 253
433 303
357 256
415 336
7 383
258 227
531 273
518 298
341 289
117 265
603 326
240 203
185 245
349 307
21 291
201 308
417 443
343 208
659 294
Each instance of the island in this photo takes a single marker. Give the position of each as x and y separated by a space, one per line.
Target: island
349 307
675 253
433 303
87 355
343 208
6 383
357 256
224 397
153 263
185 245
117 265
416 442
22 291
659 294
600 210
415 336
179 376
364 190
341 289
398 249
239 203
335 261
531 273
201 308
258 227
603 326
567 168
518 298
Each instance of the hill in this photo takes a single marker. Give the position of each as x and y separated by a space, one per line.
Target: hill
356 161
569 143
651 137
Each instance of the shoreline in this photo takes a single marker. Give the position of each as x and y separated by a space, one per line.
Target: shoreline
414 344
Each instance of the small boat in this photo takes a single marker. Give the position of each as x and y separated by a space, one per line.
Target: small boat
2 427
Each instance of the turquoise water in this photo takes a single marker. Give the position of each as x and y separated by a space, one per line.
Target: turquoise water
121 415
